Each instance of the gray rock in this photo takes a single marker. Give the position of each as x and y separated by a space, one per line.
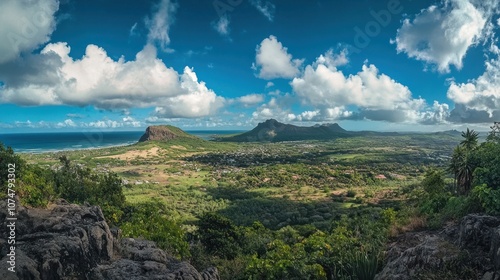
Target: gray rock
73 242
491 275
475 231
474 243
433 253
495 248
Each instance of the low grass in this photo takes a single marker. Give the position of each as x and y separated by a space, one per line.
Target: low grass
279 184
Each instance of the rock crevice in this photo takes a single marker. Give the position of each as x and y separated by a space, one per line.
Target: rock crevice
74 242
468 250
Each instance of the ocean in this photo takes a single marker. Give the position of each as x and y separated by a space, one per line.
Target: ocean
64 141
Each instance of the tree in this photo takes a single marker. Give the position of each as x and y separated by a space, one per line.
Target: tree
151 220
488 170
463 162
433 182
79 184
36 187
219 235
470 140
7 156
494 135
454 163
33 184
465 166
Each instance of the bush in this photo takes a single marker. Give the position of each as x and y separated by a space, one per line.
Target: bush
484 198
79 184
151 221
364 266
433 182
37 186
351 193
33 185
455 208
219 236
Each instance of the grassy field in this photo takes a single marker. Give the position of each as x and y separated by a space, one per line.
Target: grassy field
279 184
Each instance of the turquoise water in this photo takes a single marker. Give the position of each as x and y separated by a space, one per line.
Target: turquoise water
51 142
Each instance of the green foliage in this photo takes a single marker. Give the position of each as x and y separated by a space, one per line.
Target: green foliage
33 184
475 167
7 156
151 221
219 235
433 182
284 261
37 186
487 198
494 135
364 266
351 193
256 238
301 233
462 165
348 251
79 184
433 205
389 216
463 161
470 140
488 170
456 207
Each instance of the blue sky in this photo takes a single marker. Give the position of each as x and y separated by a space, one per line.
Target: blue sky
229 64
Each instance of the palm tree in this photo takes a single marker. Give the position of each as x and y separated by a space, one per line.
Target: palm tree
470 140
464 173
462 164
455 164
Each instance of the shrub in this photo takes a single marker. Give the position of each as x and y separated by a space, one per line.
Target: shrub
37 186
433 182
485 198
150 220
364 266
219 235
79 184
351 193
34 185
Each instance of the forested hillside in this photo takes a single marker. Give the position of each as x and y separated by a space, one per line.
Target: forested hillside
301 210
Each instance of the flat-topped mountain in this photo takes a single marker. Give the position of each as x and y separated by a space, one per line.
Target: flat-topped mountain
274 131
164 133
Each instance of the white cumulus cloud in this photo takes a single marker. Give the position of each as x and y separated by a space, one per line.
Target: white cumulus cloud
377 96
98 80
324 84
441 35
478 100
273 60
25 25
250 99
199 101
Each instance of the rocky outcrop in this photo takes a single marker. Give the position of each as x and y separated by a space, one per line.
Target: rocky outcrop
468 250
163 133
274 131
74 242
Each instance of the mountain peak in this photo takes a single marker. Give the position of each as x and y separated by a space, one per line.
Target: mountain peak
163 133
273 131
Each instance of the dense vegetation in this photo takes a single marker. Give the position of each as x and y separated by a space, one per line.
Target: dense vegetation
476 181
301 210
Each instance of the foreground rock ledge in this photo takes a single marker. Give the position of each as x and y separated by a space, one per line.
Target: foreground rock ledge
74 242
472 246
